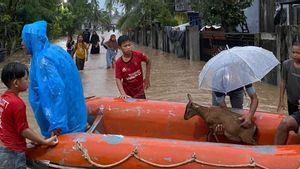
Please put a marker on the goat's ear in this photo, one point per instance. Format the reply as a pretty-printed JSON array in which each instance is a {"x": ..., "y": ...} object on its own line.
[{"x": 189, "y": 97}]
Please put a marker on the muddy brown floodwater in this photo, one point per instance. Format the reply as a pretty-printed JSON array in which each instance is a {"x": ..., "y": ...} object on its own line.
[{"x": 171, "y": 79}]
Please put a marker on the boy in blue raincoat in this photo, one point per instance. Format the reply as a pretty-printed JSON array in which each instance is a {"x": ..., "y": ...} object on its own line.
[{"x": 55, "y": 90}]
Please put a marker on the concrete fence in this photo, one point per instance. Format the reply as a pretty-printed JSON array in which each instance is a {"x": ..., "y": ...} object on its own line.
[{"x": 171, "y": 41}]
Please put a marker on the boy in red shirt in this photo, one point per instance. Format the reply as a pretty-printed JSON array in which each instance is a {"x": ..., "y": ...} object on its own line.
[
  {"x": 14, "y": 128},
  {"x": 129, "y": 72}
]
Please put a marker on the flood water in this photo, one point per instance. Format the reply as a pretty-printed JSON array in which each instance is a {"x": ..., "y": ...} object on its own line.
[{"x": 171, "y": 79}]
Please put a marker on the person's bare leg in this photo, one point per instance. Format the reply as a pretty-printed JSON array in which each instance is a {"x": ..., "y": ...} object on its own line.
[{"x": 286, "y": 125}]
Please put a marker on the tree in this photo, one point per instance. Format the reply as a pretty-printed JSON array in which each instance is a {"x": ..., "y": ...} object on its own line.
[
  {"x": 97, "y": 16},
  {"x": 10, "y": 27},
  {"x": 32, "y": 10},
  {"x": 62, "y": 17},
  {"x": 228, "y": 13},
  {"x": 144, "y": 13}
]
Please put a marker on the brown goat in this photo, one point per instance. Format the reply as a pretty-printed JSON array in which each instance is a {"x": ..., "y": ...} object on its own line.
[{"x": 214, "y": 116}]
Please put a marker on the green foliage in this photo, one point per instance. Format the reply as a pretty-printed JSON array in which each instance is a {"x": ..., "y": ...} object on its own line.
[
  {"x": 67, "y": 20},
  {"x": 33, "y": 10},
  {"x": 228, "y": 13},
  {"x": 62, "y": 17},
  {"x": 9, "y": 27},
  {"x": 143, "y": 14},
  {"x": 6, "y": 19},
  {"x": 98, "y": 16},
  {"x": 128, "y": 4},
  {"x": 165, "y": 18},
  {"x": 130, "y": 20},
  {"x": 55, "y": 29},
  {"x": 181, "y": 18}
]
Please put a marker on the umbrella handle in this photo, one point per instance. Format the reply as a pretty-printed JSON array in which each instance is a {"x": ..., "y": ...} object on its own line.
[{"x": 227, "y": 47}]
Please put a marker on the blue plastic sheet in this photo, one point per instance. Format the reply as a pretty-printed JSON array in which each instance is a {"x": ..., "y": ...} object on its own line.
[{"x": 55, "y": 90}]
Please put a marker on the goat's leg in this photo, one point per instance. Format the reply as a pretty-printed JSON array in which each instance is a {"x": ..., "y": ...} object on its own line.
[
  {"x": 218, "y": 129},
  {"x": 216, "y": 136},
  {"x": 211, "y": 133}
]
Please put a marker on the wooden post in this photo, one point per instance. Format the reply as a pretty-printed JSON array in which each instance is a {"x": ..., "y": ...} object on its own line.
[
  {"x": 160, "y": 39},
  {"x": 154, "y": 37},
  {"x": 267, "y": 10},
  {"x": 194, "y": 44}
]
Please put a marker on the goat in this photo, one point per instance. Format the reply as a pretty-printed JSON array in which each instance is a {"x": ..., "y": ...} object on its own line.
[{"x": 214, "y": 116}]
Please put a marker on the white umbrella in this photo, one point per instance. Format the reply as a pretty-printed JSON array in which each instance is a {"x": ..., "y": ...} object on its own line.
[{"x": 236, "y": 67}]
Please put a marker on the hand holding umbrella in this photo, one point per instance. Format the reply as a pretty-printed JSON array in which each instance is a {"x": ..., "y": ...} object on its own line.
[{"x": 236, "y": 67}]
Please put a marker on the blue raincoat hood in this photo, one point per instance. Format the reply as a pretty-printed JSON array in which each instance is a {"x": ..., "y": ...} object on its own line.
[
  {"x": 55, "y": 89},
  {"x": 34, "y": 36}
]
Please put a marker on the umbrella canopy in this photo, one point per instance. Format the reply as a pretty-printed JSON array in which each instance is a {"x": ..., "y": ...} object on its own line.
[{"x": 236, "y": 67}]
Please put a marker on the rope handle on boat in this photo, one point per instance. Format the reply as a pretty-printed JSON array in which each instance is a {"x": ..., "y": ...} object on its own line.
[
  {"x": 134, "y": 153},
  {"x": 86, "y": 155}
]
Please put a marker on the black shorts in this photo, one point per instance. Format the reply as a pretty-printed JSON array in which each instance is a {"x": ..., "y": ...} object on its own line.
[
  {"x": 296, "y": 116},
  {"x": 292, "y": 108}
]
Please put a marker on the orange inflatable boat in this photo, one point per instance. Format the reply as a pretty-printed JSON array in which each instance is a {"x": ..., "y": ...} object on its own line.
[{"x": 153, "y": 134}]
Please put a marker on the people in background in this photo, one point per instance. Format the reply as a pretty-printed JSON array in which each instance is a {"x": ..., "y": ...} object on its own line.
[
  {"x": 95, "y": 43},
  {"x": 81, "y": 53},
  {"x": 112, "y": 49},
  {"x": 86, "y": 34}
]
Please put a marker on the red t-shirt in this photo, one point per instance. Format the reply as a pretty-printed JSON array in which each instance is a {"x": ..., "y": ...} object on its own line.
[
  {"x": 131, "y": 73},
  {"x": 12, "y": 121}
]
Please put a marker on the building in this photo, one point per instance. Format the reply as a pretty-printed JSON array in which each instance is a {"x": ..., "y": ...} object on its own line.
[
  {"x": 291, "y": 11},
  {"x": 260, "y": 16}
]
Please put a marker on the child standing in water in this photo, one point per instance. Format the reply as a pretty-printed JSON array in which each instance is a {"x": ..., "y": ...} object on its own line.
[
  {"x": 81, "y": 52},
  {"x": 129, "y": 73},
  {"x": 112, "y": 49},
  {"x": 14, "y": 127}
]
